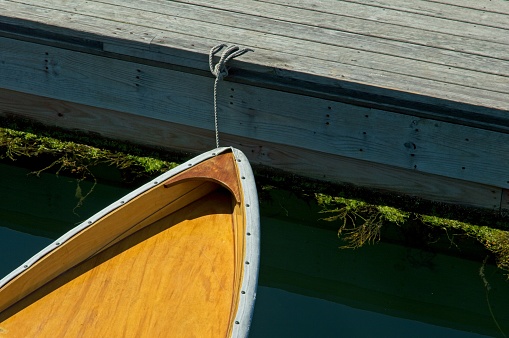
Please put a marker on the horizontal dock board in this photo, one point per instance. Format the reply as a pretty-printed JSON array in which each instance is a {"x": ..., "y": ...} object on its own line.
[
  {"x": 322, "y": 166},
  {"x": 419, "y": 88},
  {"x": 372, "y": 135},
  {"x": 341, "y": 41}
]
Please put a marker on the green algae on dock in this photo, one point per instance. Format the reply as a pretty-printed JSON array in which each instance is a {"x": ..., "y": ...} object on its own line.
[{"x": 358, "y": 219}]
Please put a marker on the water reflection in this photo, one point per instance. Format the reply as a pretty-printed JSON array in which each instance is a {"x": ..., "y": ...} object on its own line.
[
  {"x": 308, "y": 286},
  {"x": 17, "y": 247},
  {"x": 281, "y": 313}
]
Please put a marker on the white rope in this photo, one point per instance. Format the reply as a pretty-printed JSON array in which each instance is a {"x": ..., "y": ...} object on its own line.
[{"x": 220, "y": 72}]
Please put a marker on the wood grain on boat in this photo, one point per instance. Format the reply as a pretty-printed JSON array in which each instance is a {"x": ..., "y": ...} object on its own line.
[{"x": 168, "y": 262}]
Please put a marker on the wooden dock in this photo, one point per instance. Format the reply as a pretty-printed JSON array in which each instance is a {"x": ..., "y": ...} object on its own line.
[{"x": 406, "y": 96}]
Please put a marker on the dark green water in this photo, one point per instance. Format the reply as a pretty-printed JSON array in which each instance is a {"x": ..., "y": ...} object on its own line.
[{"x": 307, "y": 286}]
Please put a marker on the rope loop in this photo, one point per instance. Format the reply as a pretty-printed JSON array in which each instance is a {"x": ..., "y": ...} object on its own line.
[{"x": 220, "y": 71}]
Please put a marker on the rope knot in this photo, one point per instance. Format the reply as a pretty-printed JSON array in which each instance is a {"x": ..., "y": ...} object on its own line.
[{"x": 220, "y": 71}]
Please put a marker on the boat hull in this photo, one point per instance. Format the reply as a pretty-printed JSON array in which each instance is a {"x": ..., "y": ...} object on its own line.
[{"x": 184, "y": 264}]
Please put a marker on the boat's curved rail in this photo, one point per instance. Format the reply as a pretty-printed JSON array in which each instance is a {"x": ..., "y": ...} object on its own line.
[{"x": 252, "y": 253}]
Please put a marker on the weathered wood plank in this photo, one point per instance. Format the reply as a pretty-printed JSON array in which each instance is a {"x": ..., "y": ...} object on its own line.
[
  {"x": 408, "y": 74},
  {"x": 160, "y": 20},
  {"x": 263, "y": 114},
  {"x": 300, "y": 43},
  {"x": 173, "y": 47},
  {"x": 334, "y": 17},
  {"x": 497, "y": 6},
  {"x": 379, "y": 93},
  {"x": 300, "y": 161},
  {"x": 303, "y": 24},
  {"x": 45, "y": 24},
  {"x": 378, "y": 14},
  {"x": 452, "y": 11}
]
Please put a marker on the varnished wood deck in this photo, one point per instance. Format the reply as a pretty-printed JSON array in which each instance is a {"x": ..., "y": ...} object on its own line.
[
  {"x": 407, "y": 96},
  {"x": 149, "y": 285}
]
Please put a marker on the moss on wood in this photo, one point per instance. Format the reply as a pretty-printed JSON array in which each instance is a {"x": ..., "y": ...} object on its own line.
[
  {"x": 361, "y": 223},
  {"x": 360, "y": 214},
  {"x": 66, "y": 153}
]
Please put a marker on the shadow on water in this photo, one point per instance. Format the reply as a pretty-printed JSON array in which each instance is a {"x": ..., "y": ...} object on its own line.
[
  {"x": 36, "y": 210},
  {"x": 308, "y": 287}
]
